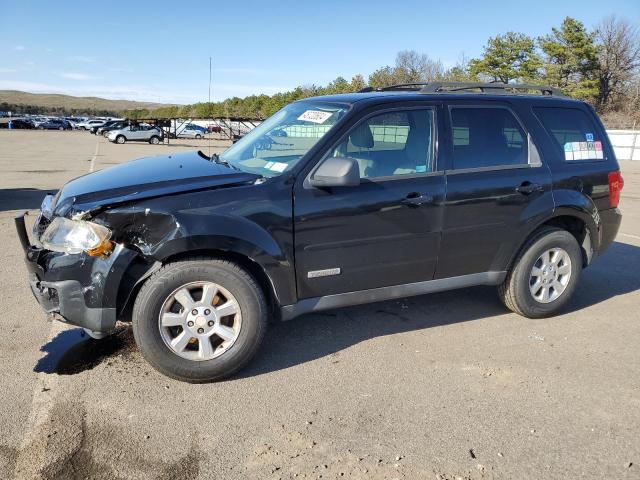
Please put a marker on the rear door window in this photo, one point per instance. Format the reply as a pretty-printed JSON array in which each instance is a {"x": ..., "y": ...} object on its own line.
[
  {"x": 487, "y": 137},
  {"x": 573, "y": 132}
]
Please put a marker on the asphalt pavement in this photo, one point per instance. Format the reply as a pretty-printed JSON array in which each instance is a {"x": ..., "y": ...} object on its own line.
[{"x": 443, "y": 386}]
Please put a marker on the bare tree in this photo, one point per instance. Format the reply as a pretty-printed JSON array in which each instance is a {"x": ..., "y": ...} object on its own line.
[
  {"x": 619, "y": 57},
  {"x": 414, "y": 67}
]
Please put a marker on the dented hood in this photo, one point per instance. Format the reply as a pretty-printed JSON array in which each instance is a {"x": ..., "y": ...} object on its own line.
[{"x": 144, "y": 178}]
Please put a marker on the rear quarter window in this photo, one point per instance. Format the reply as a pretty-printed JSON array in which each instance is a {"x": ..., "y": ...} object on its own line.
[{"x": 573, "y": 132}]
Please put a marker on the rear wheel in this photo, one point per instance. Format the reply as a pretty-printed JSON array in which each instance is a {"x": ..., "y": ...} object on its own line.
[
  {"x": 545, "y": 274},
  {"x": 198, "y": 137},
  {"x": 120, "y": 139},
  {"x": 199, "y": 320}
]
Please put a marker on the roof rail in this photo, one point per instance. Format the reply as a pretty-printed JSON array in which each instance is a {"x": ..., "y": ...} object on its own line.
[{"x": 445, "y": 87}]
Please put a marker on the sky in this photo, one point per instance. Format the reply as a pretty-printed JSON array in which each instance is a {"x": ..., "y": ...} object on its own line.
[{"x": 159, "y": 50}]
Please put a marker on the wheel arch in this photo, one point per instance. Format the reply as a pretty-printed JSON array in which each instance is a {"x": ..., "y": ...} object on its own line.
[
  {"x": 577, "y": 222},
  {"x": 138, "y": 272}
]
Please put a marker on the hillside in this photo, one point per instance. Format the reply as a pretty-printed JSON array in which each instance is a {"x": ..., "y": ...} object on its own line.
[{"x": 68, "y": 102}]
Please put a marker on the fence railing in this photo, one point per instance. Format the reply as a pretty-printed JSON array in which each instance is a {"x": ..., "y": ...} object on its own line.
[{"x": 626, "y": 143}]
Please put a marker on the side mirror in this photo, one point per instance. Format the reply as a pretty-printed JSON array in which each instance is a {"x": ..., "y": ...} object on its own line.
[{"x": 336, "y": 172}]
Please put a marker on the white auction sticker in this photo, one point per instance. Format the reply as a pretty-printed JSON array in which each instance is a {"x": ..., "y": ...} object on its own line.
[
  {"x": 315, "y": 116},
  {"x": 278, "y": 167}
]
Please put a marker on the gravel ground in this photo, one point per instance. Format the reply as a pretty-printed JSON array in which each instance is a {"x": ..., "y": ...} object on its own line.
[{"x": 442, "y": 386}]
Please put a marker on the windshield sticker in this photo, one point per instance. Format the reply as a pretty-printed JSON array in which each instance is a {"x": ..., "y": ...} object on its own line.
[
  {"x": 599, "y": 153},
  {"x": 568, "y": 151},
  {"x": 589, "y": 137},
  {"x": 268, "y": 165},
  {"x": 279, "y": 167},
  {"x": 583, "y": 151},
  {"x": 315, "y": 116}
]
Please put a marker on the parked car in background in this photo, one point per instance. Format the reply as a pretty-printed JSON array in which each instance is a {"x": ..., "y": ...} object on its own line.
[
  {"x": 192, "y": 131},
  {"x": 38, "y": 120},
  {"x": 56, "y": 124},
  {"x": 20, "y": 124},
  {"x": 110, "y": 126},
  {"x": 95, "y": 128},
  {"x": 87, "y": 125},
  {"x": 137, "y": 133}
]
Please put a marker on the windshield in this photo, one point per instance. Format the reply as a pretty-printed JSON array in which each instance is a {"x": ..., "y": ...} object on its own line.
[{"x": 279, "y": 142}]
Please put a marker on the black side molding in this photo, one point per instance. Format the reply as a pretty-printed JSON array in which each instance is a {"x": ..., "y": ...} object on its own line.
[{"x": 360, "y": 297}]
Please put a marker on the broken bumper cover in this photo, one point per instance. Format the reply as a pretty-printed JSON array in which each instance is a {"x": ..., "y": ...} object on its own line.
[{"x": 80, "y": 289}]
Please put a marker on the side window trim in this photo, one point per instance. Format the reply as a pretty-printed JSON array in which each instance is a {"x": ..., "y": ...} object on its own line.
[
  {"x": 434, "y": 143},
  {"x": 533, "y": 153}
]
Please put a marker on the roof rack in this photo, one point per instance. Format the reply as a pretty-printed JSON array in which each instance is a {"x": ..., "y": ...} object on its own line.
[{"x": 447, "y": 87}]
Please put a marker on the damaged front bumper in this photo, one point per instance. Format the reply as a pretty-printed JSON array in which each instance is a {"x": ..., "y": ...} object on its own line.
[{"x": 76, "y": 288}]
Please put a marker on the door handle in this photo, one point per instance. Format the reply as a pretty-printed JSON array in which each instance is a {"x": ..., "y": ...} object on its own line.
[
  {"x": 415, "y": 199},
  {"x": 527, "y": 188}
]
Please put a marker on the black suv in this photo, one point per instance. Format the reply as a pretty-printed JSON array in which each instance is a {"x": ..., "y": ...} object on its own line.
[{"x": 332, "y": 201}]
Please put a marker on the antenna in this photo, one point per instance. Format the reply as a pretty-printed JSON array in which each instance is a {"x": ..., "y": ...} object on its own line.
[{"x": 209, "y": 105}]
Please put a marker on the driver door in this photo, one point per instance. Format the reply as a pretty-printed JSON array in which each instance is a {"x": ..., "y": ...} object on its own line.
[{"x": 386, "y": 230}]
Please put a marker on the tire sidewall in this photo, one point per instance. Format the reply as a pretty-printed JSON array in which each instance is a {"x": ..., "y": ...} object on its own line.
[
  {"x": 553, "y": 239},
  {"x": 147, "y": 331}
]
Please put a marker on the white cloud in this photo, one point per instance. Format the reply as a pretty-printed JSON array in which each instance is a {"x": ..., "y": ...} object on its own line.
[
  {"x": 8, "y": 70},
  {"x": 76, "y": 76},
  {"x": 19, "y": 48},
  {"x": 81, "y": 59}
]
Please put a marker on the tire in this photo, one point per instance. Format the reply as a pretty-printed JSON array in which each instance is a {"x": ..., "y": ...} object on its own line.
[
  {"x": 83, "y": 129},
  {"x": 198, "y": 137},
  {"x": 191, "y": 364},
  {"x": 154, "y": 140},
  {"x": 121, "y": 139},
  {"x": 516, "y": 292},
  {"x": 61, "y": 128}
]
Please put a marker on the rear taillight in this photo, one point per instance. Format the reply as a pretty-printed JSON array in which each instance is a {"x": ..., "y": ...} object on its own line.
[{"x": 615, "y": 187}]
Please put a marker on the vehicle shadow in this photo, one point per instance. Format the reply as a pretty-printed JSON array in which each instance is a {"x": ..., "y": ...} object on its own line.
[
  {"x": 314, "y": 336},
  {"x": 22, "y": 198},
  {"x": 72, "y": 351},
  {"x": 614, "y": 273}
]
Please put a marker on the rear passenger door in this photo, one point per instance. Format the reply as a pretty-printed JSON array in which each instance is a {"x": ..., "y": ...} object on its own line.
[{"x": 497, "y": 185}]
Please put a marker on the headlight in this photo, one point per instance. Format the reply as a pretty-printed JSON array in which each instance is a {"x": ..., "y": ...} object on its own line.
[{"x": 77, "y": 236}]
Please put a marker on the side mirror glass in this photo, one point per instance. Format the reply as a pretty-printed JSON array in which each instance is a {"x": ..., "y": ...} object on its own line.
[{"x": 336, "y": 172}]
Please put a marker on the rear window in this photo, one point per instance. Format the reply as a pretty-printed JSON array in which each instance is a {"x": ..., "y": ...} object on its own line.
[{"x": 573, "y": 131}]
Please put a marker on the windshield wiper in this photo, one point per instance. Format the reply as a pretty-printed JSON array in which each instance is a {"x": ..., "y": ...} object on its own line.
[{"x": 216, "y": 158}]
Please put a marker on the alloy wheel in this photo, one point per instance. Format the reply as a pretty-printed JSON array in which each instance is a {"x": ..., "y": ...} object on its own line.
[
  {"x": 550, "y": 275},
  {"x": 200, "y": 321}
]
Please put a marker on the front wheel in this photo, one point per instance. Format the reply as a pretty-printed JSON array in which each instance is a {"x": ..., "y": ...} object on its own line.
[
  {"x": 120, "y": 139},
  {"x": 545, "y": 274},
  {"x": 199, "y": 320},
  {"x": 154, "y": 140},
  {"x": 198, "y": 137}
]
